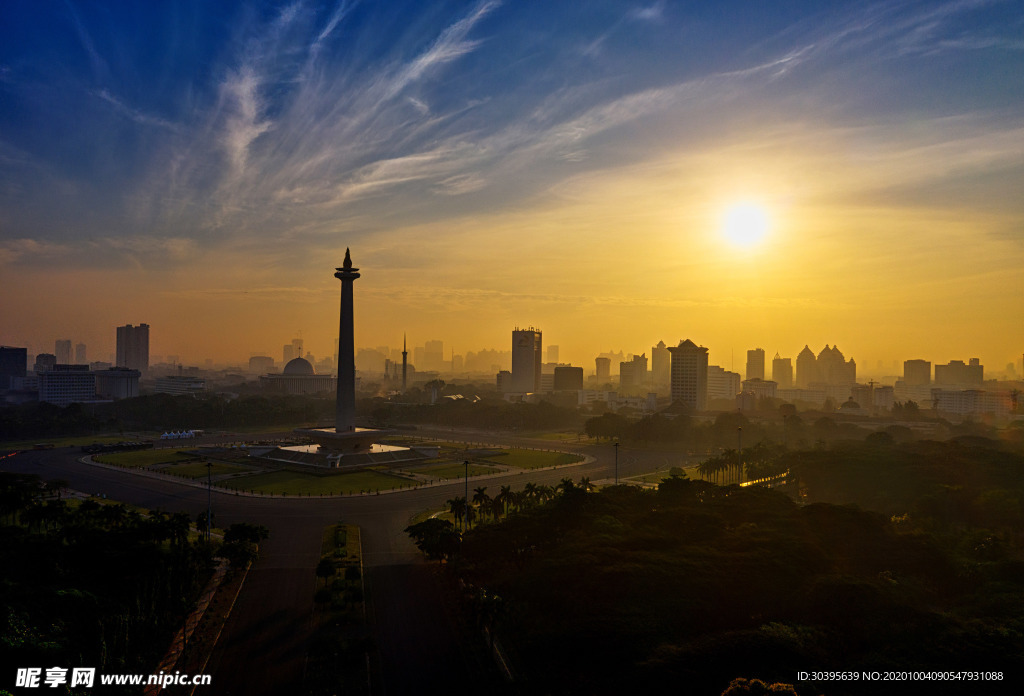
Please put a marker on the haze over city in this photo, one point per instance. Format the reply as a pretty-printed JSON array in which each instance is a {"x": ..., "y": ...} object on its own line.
[{"x": 616, "y": 174}]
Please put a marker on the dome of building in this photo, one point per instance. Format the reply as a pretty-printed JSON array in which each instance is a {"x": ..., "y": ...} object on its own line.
[{"x": 298, "y": 366}]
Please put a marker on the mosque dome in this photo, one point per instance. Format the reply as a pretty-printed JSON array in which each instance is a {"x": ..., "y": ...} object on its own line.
[{"x": 298, "y": 366}]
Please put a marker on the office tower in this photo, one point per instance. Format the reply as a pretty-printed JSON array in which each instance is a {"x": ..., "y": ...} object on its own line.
[
  {"x": 133, "y": 347},
  {"x": 782, "y": 372},
  {"x": 957, "y": 373},
  {"x": 62, "y": 350},
  {"x": 633, "y": 374},
  {"x": 260, "y": 364},
  {"x": 604, "y": 370},
  {"x": 44, "y": 362},
  {"x": 917, "y": 372},
  {"x": 690, "y": 374},
  {"x": 568, "y": 378},
  {"x": 755, "y": 364},
  {"x": 67, "y": 384},
  {"x": 722, "y": 384},
  {"x": 80, "y": 358},
  {"x": 432, "y": 356},
  {"x": 526, "y": 360},
  {"x": 288, "y": 354},
  {"x": 806, "y": 368},
  {"x": 661, "y": 365},
  {"x": 552, "y": 354},
  {"x": 13, "y": 365}
]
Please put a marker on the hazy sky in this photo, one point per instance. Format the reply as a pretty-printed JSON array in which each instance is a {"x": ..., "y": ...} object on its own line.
[{"x": 201, "y": 166}]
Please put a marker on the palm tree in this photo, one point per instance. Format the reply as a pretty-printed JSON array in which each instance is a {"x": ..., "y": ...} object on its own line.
[
  {"x": 504, "y": 498},
  {"x": 480, "y": 497},
  {"x": 585, "y": 484},
  {"x": 531, "y": 492},
  {"x": 457, "y": 506}
]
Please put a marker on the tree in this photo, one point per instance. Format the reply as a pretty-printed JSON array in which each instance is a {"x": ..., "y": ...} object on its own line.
[{"x": 435, "y": 537}]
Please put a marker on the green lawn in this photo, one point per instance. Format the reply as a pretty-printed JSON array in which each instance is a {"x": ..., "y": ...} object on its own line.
[
  {"x": 299, "y": 483},
  {"x": 139, "y": 458},
  {"x": 78, "y": 441},
  {"x": 533, "y": 459},
  {"x": 197, "y": 470},
  {"x": 453, "y": 470}
]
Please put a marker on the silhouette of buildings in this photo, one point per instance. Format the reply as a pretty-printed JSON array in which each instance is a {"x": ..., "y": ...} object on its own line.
[
  {"x": 62, "y": 349},
  {"x": 690, "y": 375},
  {"x": 755, "y": 363},
  {"x": 661, "y": 366},
  {"x": 568, "y": 378},
  {"x": 782, "y": 372},
  {"x": 829, "y": 367},
  {"x": 66, "y": 384},
  {"x": 633, "y": 374},
  {"x": 261, "y": 364},
  {"x": 552, "y": 354},
  {"x": 117, "y": 383},
  {"x": 13, "y": 365},
  {"x": 133, "y": 347},
  {"x": 955, "y": 372},
  {"x": 526, "y": 360},
  {"x": 722, "y": 384},
  {"x": 44, "y": 362},
  {"x": 603, "y": 367},
  {"x": 80, "y": 354}
]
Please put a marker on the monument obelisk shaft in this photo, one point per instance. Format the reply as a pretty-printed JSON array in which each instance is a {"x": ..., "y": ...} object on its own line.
[{"x": 345, "y": 409}]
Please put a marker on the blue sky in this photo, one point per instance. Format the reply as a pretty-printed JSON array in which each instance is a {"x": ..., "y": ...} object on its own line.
[{"x": 211, "y": 153}]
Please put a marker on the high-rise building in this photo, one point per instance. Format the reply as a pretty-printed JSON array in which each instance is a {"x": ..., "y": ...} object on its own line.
[
  {"x": 690, "y": 374},
  {"x": 661, "y": 366},
  {"x": 80, "y": 357},
  {"x": 568, "y": 378},
  {"x": 604, "y": 369},
  {"x": 755, "y": 363},
  {"x": 260, "y": 364},
  {"x": 44, "y": 362},
  {"x": 957, "y": 373},
  {"x": 722, "y": 384},
  {"x": 806, "y": 368},
  {"x": 117, "y": 383},
  {"x": 552, "y": 354},
  {"x": 782, "y": 372},
  {"x": 133, "y": 347},
  {"x": 13, "y": 365},
  {"x": 526, "y": 360},
  {"x": 288, "y": 353},
  {"x": 633, "y": 374},
  {"x": 67, "y": 384},
  {"x": 917, "y": 372},
  {"x": 62, "y": 349}
]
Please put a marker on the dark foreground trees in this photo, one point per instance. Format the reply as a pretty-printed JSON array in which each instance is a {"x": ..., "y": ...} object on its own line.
[
  {"x": 91, "y": 585},
  {"x": 684, "y": 589}
]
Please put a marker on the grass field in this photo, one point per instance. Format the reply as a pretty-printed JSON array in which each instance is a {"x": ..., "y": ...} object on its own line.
[
  {"x": 197, "y": 470},
  {"x": 534, "y": 459},
  {"x": 140, "y": 458},
  {"x": 77, "y": 441},
  {"x": 453, "y": 470},
  {"x": 298, "y": 483}
]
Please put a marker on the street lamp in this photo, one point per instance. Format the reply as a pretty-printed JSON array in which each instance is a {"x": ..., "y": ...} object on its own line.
[
  {"x": 616, "y": 445},
  {"x": 209, "y": 499},
  {"x": 465, "y": 523},
  {"x": 739, "y": 452}
]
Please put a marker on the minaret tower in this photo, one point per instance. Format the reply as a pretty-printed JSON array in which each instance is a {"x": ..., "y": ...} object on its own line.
[
  {"x": 405, "y": 363},
  {"x": 345, "y": 413}
]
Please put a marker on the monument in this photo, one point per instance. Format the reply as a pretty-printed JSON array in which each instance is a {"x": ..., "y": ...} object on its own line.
[{"x": 344, "y": 444}]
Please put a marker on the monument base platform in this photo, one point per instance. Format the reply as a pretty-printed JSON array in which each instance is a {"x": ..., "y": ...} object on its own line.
[{"x": 346, "y": 442}]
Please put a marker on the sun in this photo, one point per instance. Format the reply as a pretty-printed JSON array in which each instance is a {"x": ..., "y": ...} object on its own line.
[{"x": 745, "y": 224}]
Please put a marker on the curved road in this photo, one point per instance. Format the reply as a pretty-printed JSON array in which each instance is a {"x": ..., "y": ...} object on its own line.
[{"x": 263, "y": 647}]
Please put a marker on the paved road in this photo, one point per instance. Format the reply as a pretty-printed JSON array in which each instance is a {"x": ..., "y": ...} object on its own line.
[{"x": 262, "y": 649}]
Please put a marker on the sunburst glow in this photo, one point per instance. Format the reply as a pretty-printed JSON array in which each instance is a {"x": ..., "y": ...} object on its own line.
[{"x": 745, "y": 224}]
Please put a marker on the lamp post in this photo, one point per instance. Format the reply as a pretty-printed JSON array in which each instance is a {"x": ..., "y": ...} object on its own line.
[
  {"x": 739, "y": 453},
  {"x": 465, "y": 524},
  {"x": 616, "y": 445},
  {"x": 209, "y": 499}
]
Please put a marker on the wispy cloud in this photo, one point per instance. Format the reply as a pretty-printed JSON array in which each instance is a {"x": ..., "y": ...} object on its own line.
[{"x": 134, "y": 114}]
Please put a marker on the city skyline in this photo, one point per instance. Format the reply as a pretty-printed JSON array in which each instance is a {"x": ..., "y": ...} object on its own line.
[{"x": 615, "y": 175}]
